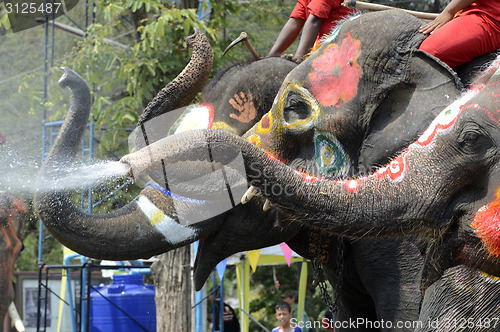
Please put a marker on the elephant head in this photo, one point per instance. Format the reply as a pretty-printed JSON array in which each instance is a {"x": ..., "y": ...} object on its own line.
[
  {"x": 358, "y": 99},
  {"x": 12, "y": 213},
  {"x": 354, "y": 102},
  {"x": 444, "y": 185}
]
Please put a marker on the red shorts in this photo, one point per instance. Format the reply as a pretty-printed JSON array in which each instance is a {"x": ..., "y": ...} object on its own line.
[{"x": 462, "y": 39}]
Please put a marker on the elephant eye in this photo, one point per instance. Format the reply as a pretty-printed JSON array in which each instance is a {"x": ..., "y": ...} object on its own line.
[
  {"x": 471, "y": 137},
  {"x": 296, "y": 108},
  {"x": 473, "y": 140}
]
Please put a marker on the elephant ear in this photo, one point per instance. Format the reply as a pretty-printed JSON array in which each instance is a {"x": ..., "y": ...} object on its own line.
[{"x": 408, "y": 108}]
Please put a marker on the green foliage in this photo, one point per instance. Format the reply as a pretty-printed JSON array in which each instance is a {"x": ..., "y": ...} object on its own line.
[{"x": 124, "y": 79}]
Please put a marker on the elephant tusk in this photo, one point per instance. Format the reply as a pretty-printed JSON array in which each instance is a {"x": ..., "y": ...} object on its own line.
[
  {"x": 14, "y": 316},
  {"x": 251, "y": 192},
  {"x": 267, "y": 205}
]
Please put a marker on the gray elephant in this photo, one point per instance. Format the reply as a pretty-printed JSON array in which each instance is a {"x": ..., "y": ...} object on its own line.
[
  {"x": 444, "y": 185},
  {"x": 279, "y": 136},
  {"x": 394, "y": 90}
]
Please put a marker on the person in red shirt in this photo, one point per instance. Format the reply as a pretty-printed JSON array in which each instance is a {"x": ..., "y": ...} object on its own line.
[
  {"x": 458, "y": 38},
  {"x": 317, "y": 17}
]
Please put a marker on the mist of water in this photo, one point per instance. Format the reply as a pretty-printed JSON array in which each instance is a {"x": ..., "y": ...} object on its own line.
[{"x": 18, "y": 177}]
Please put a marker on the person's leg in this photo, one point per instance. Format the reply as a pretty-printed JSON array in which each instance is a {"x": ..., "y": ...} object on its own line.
[{"x": 461, "y": 40}]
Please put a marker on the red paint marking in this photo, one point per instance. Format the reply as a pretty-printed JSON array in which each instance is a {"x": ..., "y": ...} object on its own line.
[
  {"x": 436, "y": 127},
  {"x": 394, "y": 170},
  {"x": 353, "y": 185},
  {"x": 264, "y": 122},
  {"x": 336, "y": 73},
  {"x": 211, "y": 115},
  {"x": 487, "y": 225},
  {"x": 397, "y": 167},
  {"x": 306, "y": 177}
]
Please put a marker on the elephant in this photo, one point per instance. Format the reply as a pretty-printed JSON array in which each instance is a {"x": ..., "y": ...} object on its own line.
[
  {"x": 12, "y": 214},
  {"x": 388, "y": 95},
  {"x": 49, "y": 202},
  {"x": 394, "y": 103},
  {"x": 372, "y": 150},
  {"x": 445, "y": 185}
]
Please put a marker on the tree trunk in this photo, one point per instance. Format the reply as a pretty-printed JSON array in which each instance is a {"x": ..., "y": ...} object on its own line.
[
  {"x": 172, "y": 278},
  {"x": 172, "y": 275}
]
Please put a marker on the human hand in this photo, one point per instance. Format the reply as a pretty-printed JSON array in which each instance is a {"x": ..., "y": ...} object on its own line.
[
  {"x": 438, "y": 22},
  {"x": 288, "y": 57}
]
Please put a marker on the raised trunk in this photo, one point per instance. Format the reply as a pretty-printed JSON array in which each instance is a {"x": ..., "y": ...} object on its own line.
[
  {"x": 134, "y": 230},
  {"x": 182, "y": 90}
]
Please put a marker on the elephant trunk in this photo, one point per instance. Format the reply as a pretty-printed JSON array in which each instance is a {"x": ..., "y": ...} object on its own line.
[
  {"x": 313, "y": 198},
  {"x": 184, "y": 88},
  {"x": 134, "y": 231},
  {"x": 365, "y": 206}
]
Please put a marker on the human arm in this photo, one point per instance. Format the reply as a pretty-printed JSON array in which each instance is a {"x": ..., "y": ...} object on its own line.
[
  {"x": 309, "y": 35},
  {"x": 287, "y": 36},
  {"x": 446, "y": 15}
]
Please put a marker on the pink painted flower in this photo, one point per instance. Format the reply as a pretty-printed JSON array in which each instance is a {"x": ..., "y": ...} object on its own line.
[{"x": 336, "y": 73}]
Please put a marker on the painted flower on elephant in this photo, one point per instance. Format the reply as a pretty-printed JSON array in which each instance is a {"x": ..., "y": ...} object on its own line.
[
  {"x": 487, "y": 225},
  {"x": 395, "y": 171},
  {"x": 335, "y": 75},
  {"x": 396, "y": 168}
]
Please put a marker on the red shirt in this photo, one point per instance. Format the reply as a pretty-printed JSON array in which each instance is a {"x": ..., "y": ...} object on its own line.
[
  {"x": 329, "y": 10},
  {"x": 488, "y": 9},
  {"x": 472, "y": 33}
]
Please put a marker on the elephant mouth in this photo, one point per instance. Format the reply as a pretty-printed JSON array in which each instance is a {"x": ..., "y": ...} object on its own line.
[{"x": 204, "y": 263}]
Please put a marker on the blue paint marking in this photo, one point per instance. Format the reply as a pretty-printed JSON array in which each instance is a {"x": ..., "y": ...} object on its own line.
[{"x": 174, "y": 196}]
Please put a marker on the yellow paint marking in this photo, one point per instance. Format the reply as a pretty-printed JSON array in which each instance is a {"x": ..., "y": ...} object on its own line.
[{"x": 157, "y": 217}]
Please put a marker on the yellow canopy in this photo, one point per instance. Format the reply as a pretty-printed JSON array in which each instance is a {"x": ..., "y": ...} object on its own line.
[{"x": 266, "y": 256}]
